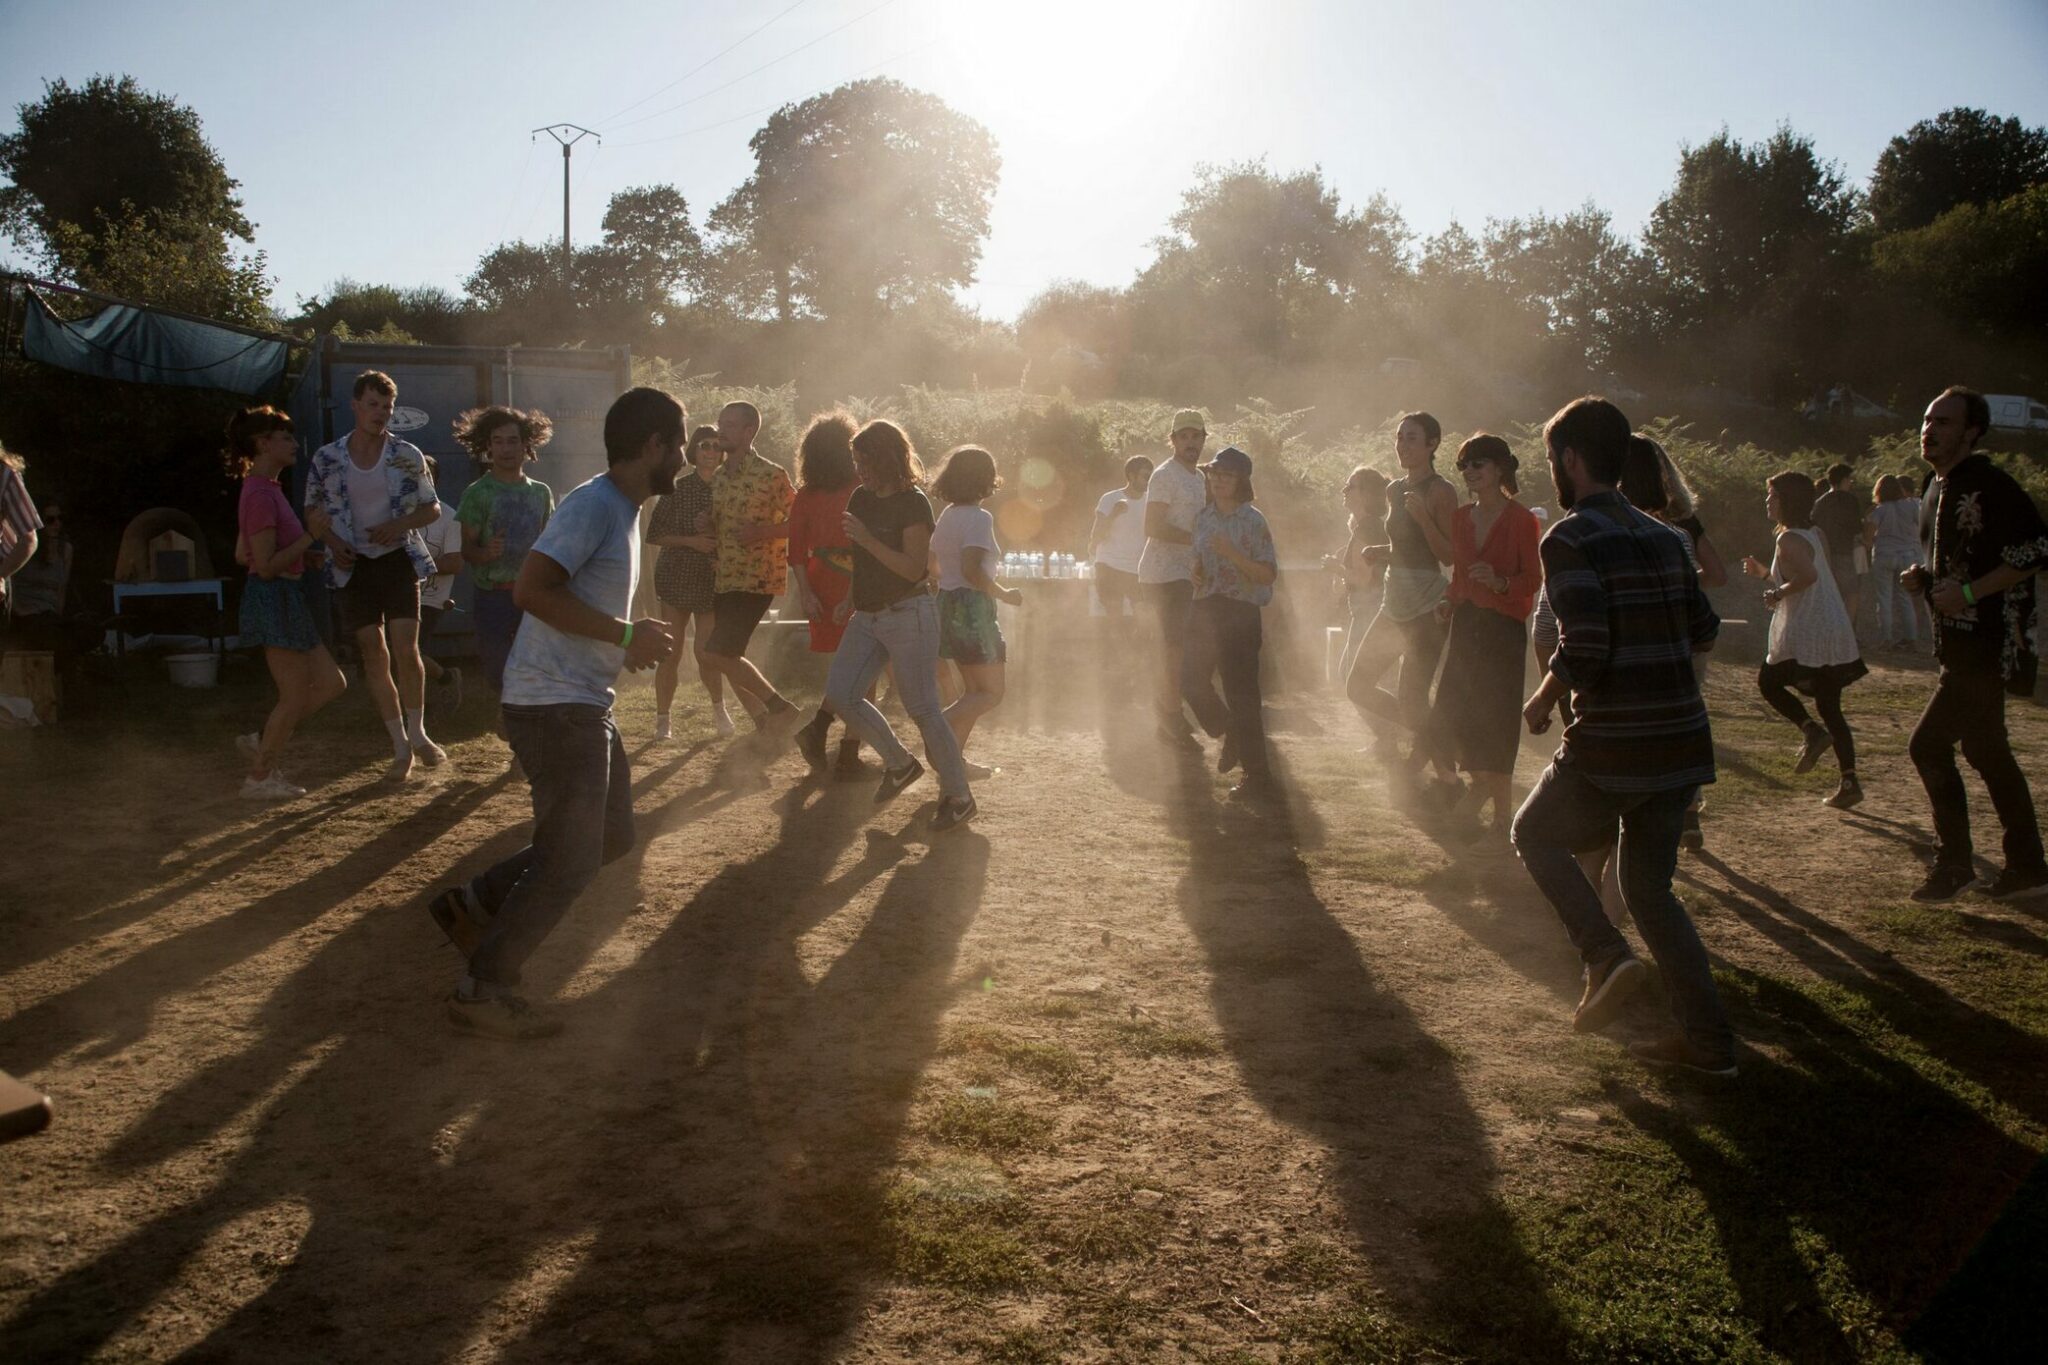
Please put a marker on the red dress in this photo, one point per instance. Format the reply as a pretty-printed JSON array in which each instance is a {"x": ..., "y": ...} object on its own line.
[{"x": 816, "y": 523}]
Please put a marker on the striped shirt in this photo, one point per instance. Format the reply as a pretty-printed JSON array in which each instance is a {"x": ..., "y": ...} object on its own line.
[
  {"x": 1630, "y": 614},
  {"x": 18, "y": 517}
]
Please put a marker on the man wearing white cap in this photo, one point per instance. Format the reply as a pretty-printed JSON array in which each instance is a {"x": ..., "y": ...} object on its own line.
[{"x": 1166, "y": 570}]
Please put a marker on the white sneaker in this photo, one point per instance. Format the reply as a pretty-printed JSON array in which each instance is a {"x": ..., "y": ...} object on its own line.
[
  {"x": 275, "y": 787},
  {"x": 401, "y": 767},
  {"x": 430, "y": 753},
  {"x": 662, "y": 730},
  {"x": 249, "y": 745},
  {"x": 721, "y": 721}
]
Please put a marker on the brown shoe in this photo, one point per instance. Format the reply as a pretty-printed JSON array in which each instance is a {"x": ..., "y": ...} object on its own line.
[
  {"x": 1679, "y": 1053},
  {"x": 1608, "y": 988}
]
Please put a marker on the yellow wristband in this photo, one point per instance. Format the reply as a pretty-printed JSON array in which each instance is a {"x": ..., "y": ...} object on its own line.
[{"x": 627, "y": 643}]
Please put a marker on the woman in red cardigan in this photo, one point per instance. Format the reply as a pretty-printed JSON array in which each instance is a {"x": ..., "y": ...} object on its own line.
[{"x": 1495, "y": 572}]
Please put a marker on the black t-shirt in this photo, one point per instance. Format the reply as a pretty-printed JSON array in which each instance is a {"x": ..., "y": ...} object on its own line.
[
  {"x": 1971, "y": 522},
  {"x": 875, "y": 585},
  {"x": 1840, "y": 518}
]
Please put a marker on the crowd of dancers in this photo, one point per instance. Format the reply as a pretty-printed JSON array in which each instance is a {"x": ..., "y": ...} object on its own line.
[{"x": 1445, "y": 591}]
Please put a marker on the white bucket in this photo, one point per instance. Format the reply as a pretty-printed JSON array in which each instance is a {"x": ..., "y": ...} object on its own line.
[{"x": 194, "y": 670}]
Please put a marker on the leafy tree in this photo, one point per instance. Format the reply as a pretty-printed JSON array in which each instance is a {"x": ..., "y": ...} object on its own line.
[
  {"x": 1982, "y": 266},
  {"x": 624, "y": 285},
  {"x": 117, "y": 189},
  {"x": 425, "y": 313},
  {"x": 1564, "y": 273},
  {"x": 1960, "y": 156},
  {"x": 1073, "y": 314},
  {"x": 862, "y": 199}
]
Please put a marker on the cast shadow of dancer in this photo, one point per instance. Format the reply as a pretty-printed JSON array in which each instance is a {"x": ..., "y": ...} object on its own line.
[{"x": 1325, "y": 1049}]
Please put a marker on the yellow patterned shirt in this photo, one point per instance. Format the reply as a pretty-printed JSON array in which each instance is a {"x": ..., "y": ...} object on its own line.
[{"x": 751, "y": 491}]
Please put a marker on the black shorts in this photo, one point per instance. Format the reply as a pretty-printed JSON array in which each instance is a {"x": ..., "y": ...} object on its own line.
[
  {"x": 1114, "y": 588},
  {"x": 734, "y": 616},
  {"x": 386, "y": 588},
  {"x": 1173, "y": 601}
]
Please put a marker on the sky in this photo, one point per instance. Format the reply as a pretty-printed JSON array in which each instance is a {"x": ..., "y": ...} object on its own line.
[{"x": 389, "y": 142}]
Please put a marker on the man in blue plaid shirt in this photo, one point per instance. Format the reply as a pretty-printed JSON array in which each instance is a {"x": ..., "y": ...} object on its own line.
[{"x": 1631, "y": 615}]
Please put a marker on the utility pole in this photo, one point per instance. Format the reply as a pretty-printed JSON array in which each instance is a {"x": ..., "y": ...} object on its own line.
[{"x": 560, "y": 132}]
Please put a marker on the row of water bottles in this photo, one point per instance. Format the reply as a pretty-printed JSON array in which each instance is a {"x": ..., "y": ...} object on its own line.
[{"x": 1038, "y": 564}]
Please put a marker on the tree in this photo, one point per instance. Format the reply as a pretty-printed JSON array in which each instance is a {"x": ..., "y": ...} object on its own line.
[
  {"x": 1985, "y": 267},
  {"x": 1960, "y": 156},
  {"x": 623, "y": 286},
  {"x": 113, "y": 187},
  {"x": 1564, "y": 273},
  {"x": 424, "y": 312},
  {"x": 862, "y": 199},
  {"x": 1749, "y": 249}
]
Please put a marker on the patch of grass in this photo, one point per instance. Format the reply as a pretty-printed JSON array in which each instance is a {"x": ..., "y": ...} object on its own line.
[
  {"x": 1315, "y": 1262},
  {"x": 1025, "y": 1346},
  {"x": 966, "y": 1244},
  {"x": 1406, "y": 868},
  {"x": 1054, "y": 1065},
  {"x": 1359, "y": 1333},
  {"x": 1916, "y": 923},
  {"x": 978, "y": 1125},
  {"x": 1150, "y": 1038},
  {"x": 1110, "y": 1229},
  {"x": 1059, "y": 1007}
]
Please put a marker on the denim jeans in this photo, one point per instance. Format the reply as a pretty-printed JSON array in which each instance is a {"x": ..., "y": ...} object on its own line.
[
  {"x": 497, "y": 623},
  {"x": 1968, "y": 709},
  {"x": 582, "y": 819},
  {"x": 1223, "y": 637},
  {"x": 906, "y": 635},
  {"x": 1896, "y": 617},
  {"x": 1566, "y": 814}
]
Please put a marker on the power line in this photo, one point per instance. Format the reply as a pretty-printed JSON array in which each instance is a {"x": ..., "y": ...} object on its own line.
[
  {"x": 707, "y": 61},
  {"x": 769, "y": 108},
  {"x": 694, "y": 99}
]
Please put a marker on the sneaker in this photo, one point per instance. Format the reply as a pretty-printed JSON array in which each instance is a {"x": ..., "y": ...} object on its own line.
[
  {"x": 953, "y": 812},
  {"x": 275, "y": 787},
  {"x": 2019, "y": 883},
  {"x": 979, "y": 772},
  {"x": 1809, "y": 753},
  {"x": 249, "y": 746},
  {"x": 430, "y": 753},
  {"x": 451, "y": 678},
  {"x": 894, "y": 780},
  {"x": 502, "y": 1016},
  {"x": 663, "y": 731},
  {"x": 1678, "y": 1053},
  {"x": 810, "y": 742},
  {"x": 1944, "y": 884},
  {"x": 721, "y": 722},
  {"x": 1689, "y": 833},
  {"x": 1850, "y": 793},
  {"x": 401, "y": 767},
  {"x": 1227, "y": 759},
  {"x": 1608, "y": 987},
  {"x": 450, "y": 910}
]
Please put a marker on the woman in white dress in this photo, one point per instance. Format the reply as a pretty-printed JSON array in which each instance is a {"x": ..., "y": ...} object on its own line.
[{"x": 1812, "y": 644}]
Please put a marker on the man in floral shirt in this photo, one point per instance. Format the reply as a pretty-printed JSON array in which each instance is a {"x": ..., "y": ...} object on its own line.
[
  {"x": 750, "y": 501},
  {"x": 1984, "y": 542},
  {"x": 377, "y": 495}
]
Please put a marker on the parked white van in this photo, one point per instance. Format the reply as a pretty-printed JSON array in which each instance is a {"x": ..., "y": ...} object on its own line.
[{"x": 2012, "y": 412}]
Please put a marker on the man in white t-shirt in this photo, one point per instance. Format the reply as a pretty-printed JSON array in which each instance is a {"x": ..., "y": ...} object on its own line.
[
  {"x": 1116, "y": 542},
  {"x": 1173, "y": 498}
]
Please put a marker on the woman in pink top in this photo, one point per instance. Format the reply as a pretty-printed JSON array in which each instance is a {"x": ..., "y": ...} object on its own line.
[
  {"x": 261, "y": 446},
  {"x": 1495, "y": 572}
]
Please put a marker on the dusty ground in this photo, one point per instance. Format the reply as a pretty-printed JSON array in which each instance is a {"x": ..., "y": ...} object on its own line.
[{"x": 1116, "y": 1073}]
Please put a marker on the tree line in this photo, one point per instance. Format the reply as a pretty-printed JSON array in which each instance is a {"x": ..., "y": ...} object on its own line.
[{"x": 1764, "y": 277}]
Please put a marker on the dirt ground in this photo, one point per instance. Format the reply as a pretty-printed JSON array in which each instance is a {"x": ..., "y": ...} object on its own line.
[{"x": 1116, "y": 1073}]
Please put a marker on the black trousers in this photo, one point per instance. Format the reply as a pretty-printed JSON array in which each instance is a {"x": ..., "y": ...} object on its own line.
[
  {"x": 1827, "y": 699},
  {"x": 1968, "y": 709},
  {"x": 1223, "y": 638}
]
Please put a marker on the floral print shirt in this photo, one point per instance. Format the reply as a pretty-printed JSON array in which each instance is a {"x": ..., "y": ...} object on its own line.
[
  {"x": 1215, "y": 574},
  {"x": 751, "y": 491},
  {"x": 406, "y": 479},
  {"x": 1974, "y": 519}
]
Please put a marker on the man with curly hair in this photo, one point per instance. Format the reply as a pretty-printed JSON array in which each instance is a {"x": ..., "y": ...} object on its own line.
[{"x": 502, "y": 514}]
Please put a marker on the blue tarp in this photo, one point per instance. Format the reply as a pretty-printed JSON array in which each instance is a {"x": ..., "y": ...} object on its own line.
[{"x": 146, "y": 347}]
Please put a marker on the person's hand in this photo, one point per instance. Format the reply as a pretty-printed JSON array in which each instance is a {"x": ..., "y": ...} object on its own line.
[
  {"x": 1913, "y": 578},
  {"x": 344, "y": 556},
  {"x": 1415, "y": 505},
  {"x": 703, "y": 545},
  {"x": 1773, "y": 596},
  {"x": 1485, "y": 577},
  {"x": 318, "y": 523},
  {"x": 842, "y": 611},
  {"x": 1755, "y": 567},
  {"x": 1536, "y": 713},
  {"x": 1948, "y": 598},
  {"x": 242, "y": 550},
  {"x": 387, "y": 533},
  {"x": 651, "y": 644},
  {"x": 1442, "y": 611},
  {"x": 855, "y": 530},
  {"x": 703, "y": 524},
  {"x": 813, "y": 607},
  {"x": 1011, "y": 595}
]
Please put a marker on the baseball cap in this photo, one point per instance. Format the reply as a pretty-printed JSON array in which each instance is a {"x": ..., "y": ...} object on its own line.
[
  {"x": 1231, "y": 460},
  {"x": 1191, "y": 417}
]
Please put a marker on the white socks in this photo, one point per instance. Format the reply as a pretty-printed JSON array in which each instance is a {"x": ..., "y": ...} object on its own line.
[
  {"x": 396, "y": 729},
  {"x": 416, "y": 726}
]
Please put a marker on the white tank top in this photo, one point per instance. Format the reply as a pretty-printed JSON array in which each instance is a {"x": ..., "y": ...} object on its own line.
[
  {"x": 369, "y": 500},
  {"x": 1811, "y": 626}
]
